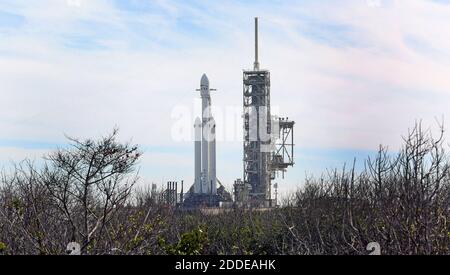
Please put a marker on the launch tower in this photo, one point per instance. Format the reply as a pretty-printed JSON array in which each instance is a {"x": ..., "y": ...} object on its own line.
[{"x": 268, "y": 140}]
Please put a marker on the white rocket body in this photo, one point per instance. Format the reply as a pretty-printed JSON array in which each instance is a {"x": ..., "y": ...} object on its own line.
[
  {"x": 198, "y": 152},
  {"x": 212, "y": 156},
  {"x": 205, "y": 147}
]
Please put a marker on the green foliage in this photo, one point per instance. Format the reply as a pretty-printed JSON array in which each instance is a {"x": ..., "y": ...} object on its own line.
[
  {"x": 3, "y": 247},
  {"x": 17, "y": 205},
  {"x": 191, "y": 243}
]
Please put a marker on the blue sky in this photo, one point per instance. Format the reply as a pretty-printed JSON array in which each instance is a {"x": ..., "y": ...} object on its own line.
[{"x": 352, "y": 75}]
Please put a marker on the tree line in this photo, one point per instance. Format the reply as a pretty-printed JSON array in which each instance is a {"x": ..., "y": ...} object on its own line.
[{"x": 86, "y": 193}]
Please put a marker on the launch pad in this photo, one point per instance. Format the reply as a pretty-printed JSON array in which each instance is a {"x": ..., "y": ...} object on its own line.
[{"x": 268, "y": 148}]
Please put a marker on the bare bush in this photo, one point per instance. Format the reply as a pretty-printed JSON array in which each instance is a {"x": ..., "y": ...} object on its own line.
[
  {"x": 400, "y": 200},
  {"x": 85, "y": 193}
]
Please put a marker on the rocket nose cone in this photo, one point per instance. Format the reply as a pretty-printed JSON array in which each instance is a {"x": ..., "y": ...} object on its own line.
[
  {"x": 204, "y": 81},
  {"x": 198, "y": 122}
]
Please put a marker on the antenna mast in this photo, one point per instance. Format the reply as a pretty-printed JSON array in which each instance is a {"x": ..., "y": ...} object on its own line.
[{"x": 256, "y": 64}]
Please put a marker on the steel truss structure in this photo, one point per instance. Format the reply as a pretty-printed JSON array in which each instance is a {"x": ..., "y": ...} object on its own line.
[{"x": 268, "y": 143}]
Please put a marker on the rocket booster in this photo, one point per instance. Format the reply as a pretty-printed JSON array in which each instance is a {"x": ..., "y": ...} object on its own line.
[{"x": 205, "y": 147}]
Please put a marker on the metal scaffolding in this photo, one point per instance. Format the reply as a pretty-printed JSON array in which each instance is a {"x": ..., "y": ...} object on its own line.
[
  {"x": 267, "y": 149},
  {"x": 257, "y": 131}
]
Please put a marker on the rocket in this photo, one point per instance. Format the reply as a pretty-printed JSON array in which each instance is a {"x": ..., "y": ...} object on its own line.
[{"x": 205, "y": 144}]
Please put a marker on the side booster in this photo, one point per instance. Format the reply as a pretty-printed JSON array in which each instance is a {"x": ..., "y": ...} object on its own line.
[{"x": 205, "y": 144}]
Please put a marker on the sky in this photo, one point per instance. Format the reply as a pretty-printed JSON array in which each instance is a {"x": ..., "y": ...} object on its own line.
[{"x": 352, "y": 74}]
